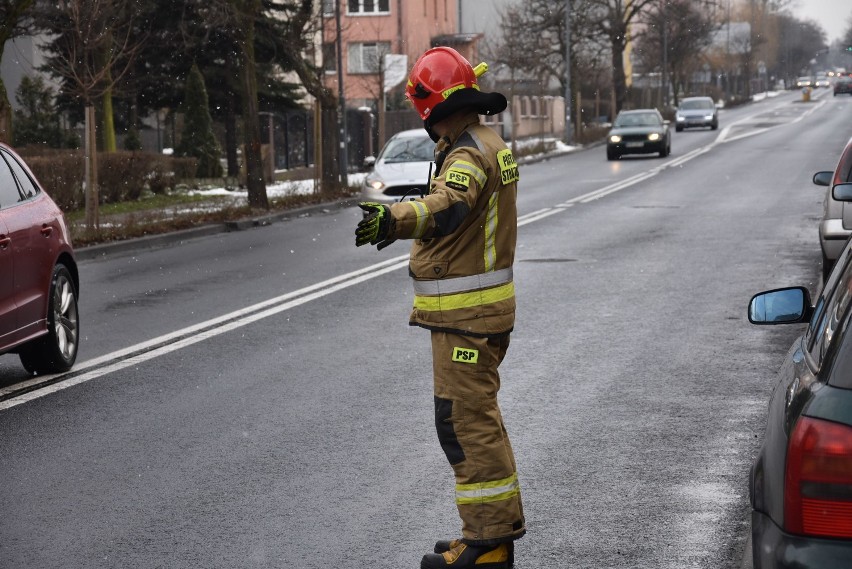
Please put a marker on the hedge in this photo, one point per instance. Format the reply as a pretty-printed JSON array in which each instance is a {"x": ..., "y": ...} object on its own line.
[{"x": 122, "y": 176}]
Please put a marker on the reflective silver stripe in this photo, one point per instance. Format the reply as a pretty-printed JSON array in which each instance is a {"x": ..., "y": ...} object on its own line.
[
  {"x": 422, "y": 213},
  {"x": 490, "y": 231},
  {"x": 462, "y": 284},
  {"x": 472, "y": 169}
]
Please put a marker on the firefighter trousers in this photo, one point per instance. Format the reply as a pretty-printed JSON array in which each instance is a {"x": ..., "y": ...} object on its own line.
[{"x": 473, "y": 437}]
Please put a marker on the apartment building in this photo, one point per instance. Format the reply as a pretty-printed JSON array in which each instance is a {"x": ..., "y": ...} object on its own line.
[{"x": 373, "y": 29}]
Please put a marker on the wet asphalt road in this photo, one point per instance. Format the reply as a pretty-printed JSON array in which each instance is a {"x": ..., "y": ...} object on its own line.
[{"x": 634, "y": 389}]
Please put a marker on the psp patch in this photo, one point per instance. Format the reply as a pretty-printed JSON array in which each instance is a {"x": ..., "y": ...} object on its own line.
[
  {"x": 508, "y": 167},
  {"x": 465, "y": 355},
  {"x": 458, "y": 180}
]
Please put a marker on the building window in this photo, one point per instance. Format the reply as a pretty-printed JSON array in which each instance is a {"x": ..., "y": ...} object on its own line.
[
  {"x": 368, "y": 7},
  {"x": 329, "y": 57},
  {"x": 328, "y": 7},
  {"x": 366, "y": 57}
]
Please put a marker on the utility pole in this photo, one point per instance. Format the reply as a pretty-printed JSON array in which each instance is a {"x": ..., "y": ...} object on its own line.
[
  {"x": 569, "y": 131},
  {"x": 665, "y": 57},
  {"x": 341, "y": 120}
]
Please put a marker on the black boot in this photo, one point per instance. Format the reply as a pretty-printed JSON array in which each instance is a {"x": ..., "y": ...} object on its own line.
[
  {"x": 463, "y": 556},
  {"x": 446, "y": 545}
]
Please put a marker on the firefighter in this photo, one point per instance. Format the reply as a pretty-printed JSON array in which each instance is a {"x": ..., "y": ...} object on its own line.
[{"x": 464, "y": 233}]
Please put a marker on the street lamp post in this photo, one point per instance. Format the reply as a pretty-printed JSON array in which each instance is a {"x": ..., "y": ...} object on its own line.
[
  {"x": 569, "y": 132},
  {"x": 344, "y": 158}
]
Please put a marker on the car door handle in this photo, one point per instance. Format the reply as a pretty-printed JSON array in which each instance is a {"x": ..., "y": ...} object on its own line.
[
  {"x": 46, "y": 230},
  {"x": 4, "y": 241}
]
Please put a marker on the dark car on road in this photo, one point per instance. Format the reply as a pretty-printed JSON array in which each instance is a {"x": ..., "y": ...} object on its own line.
[
  {"x": 696, "y": 112},
  {"x": 843, "y": 86},
  {"x": 836, "y": 224},
  {"x": 642, "y": 131},
  {"x": 801, "y": 482},
  {"x": 39, "y": 282}
]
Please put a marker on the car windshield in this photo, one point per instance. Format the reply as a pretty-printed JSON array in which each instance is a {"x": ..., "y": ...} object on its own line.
[
  {"x": 409, "y": 149},
  {"x": 693, "y": 105},
  {"x": 638, "y": 119}
]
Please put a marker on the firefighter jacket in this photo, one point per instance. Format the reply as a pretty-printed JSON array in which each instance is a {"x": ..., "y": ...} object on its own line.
[{"x": 465, "y": 231}]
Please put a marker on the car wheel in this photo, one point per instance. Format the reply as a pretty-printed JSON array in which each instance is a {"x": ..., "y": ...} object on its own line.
[
  {"x": 714, "y": 126},
  {"x": 679, "y": 128},
  {"x": 665, "y": 151},
  {"x": 611, "y": 154},
  {"x": 56, "y": 351}
]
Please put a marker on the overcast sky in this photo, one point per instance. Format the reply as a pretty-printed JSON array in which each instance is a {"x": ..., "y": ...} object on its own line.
[{"x": 832, "y": 15}]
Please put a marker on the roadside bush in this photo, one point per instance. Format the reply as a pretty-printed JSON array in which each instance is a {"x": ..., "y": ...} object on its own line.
[
  {"x": 61, "y": 174},
  {"x": 166, "y": 171},
  {"x": 122, "y": 176}
]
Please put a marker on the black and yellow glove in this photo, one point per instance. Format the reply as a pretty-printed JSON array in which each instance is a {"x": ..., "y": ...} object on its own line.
[{"x": 376, "y": 225}]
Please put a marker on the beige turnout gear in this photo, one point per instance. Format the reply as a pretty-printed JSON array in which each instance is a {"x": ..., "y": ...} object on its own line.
[{"x": 461, "y": 264}]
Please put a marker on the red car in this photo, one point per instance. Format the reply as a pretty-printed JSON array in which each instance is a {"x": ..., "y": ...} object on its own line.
[{"x": 39, "y": 282}]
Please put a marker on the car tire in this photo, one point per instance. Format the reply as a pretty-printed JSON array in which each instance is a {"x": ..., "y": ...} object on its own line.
[
  {"x": 665, "y": 151},
  {"x": 56, "y": 351},
  {"x": 611, "y": 154},
  {"x": 679, "y": 129},
  {"x": 714, "y": 126}
]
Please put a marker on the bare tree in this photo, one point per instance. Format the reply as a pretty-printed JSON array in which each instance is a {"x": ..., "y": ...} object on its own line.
[
  {"x": 238, "y": 18},
  {"x": 91, "y": 53},
  {"x": 14, "y": 21},
  {"x": 684, "y": 29},
  {"x": 299, "y": 26},
  {"x": 614, "y": 19},
  {"x": 533, "y": 44}
]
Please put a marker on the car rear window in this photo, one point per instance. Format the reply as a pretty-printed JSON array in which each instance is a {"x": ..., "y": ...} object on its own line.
[
  {"x": 841, "y": 364},
  {"x": 25, "y": 184},
  {"x": 832, "y": 310}
]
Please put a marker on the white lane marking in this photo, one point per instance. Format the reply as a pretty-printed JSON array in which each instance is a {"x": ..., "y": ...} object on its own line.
[{"x": 209, "y": 329}]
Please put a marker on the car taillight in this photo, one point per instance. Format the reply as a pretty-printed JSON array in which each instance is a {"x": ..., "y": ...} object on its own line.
[{"x": 818, "y": 479}]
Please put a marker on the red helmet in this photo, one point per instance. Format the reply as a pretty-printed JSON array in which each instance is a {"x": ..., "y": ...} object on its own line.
[{"x": 436, "y": 75}]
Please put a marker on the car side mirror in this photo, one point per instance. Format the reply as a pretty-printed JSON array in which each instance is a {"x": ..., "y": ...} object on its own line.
[
  {"x": 842, "y": 192},
  {"x": 823, "y": 178},
  {"x": 780, "y": 306},
  {"x": 667, "y": 123},
  {"x": 369, "y": 162}
]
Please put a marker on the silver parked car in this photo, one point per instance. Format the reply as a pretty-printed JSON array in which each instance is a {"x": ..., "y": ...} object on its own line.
[
  {"x": 696, "y": 111},
  {"x": 836, "y": 224},
  {"x": 401, "y": 169}
]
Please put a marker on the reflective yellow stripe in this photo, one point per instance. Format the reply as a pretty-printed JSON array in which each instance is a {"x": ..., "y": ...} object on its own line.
[
  {"x": 484, "y": 492},
  {"x": 490, "y": 231},
  {"x": 422, "y": 213},
  {"x": 465, "y": 299},
  {"x": 472, "y": 169}
]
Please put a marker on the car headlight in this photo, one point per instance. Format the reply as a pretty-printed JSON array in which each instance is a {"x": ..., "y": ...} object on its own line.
[
  {"x": 374, "y": 182},
  {"x": 615, "y": 139},
  {"x": 679, "y": 118},
  {"x": 708, "y": 117},
  {"x": 654, "y": 136}
]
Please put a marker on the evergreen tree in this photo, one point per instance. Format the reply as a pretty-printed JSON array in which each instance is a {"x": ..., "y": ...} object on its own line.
[
  {"x": 37, "y": 121},
  {"x": 198, "y": 139}
]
